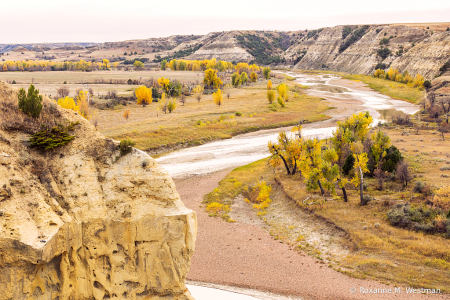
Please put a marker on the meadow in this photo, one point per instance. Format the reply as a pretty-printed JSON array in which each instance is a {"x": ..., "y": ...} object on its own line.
[
  {"x": 392, "y": 89},
  {"x": 197, "y": 122},
  {"x": 191, "y": 123}
]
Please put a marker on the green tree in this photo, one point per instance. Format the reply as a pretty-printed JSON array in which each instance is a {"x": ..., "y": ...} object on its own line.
[
  {"x": 244, "y": 78},
  {"x": 266, "y": 73},
  {"x": 235, "y": 80},
  {"x": 31, "y": 102},
  {"x": 182, "y": 66},
  {"x": 171, "y": 105},
  {"x": 270, "y": 96},
  {"x": 280, "y": 101},
  {"x": 163, "y": 65},
  {"x": 139, "y": 65}
]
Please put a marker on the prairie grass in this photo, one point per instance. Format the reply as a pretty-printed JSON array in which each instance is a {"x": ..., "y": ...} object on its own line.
[
  {"x": 392, "y": 89},
  {"x": 196, "y": 123},
  {"x": 191, "y": 124}
]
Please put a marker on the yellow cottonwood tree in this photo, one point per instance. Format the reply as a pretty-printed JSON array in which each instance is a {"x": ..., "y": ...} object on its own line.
[
  {"x": 378, "y": 73},
  {"x": 218, "y": 97},
  {"x": 211, "y": 78},
  {"x": 82, "y": 101},
  {"x": 355, "y": 131},
  {"x": 283, "y": 90},
  {"x": 381, "y": 141},
  {"x": 105, "y": 64},
  {"x": 164, "y": 83},
  {"x": 143, "y": 95},
  {"x": 68, "y": 103},
  {"x": 418, "y": 81},
  {"x": 139, "y": 65},
  {"x": 269, "y": 84}
]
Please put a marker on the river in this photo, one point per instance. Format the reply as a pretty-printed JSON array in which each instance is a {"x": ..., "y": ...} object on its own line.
[{"x": 246, "y": 148}]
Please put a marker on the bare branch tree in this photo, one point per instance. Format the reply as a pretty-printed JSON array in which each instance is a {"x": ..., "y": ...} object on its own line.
[
  {"x": 62, "y": 92},
  {"x": 403, "y": 173}
]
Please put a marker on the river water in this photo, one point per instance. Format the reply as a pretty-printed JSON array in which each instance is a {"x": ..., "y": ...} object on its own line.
[{"x": 246, "y": 148}]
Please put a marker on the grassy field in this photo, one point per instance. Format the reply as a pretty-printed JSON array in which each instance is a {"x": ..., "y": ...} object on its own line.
[
  {"x": 392, "y": 89},
  {"x": 377, "y": 249},
  {"x": 49, "y": 82},
  {"x": 195, "y": 123},
  {"x": 247, "y": 108}
]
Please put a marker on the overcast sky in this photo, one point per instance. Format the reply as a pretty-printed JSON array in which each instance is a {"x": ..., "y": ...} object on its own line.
[{"x": 26, "y": 21}]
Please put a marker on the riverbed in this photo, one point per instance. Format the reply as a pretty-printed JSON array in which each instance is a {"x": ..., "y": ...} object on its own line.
[
  {"x": 197, "y": 170},
  {"x": 246, "y": 148}
]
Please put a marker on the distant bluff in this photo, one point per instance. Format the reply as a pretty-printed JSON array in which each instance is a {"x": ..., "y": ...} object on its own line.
[
  {"x": 418, "y": 48},
  {"x": 352, "y": 49},
  {"x": 82, "y": 221}
]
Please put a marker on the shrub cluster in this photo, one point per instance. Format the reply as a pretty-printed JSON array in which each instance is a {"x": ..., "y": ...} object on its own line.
[
  {"x": 357, "y": 34},
  {"x": 384, "y": 52},
  {"x": 258, "y": 47},
  {"x": 420, "y": 218},
  {"x": 48, "y": 139},
  {"x": 444, "y": 68},
  {"x": 132, "y": 61},
  {"x": 346, "y": 31},
  {"x": 126, "y": 146},
  {"x": 177, "y": 54},
  {"x": 388, "y": 163}
]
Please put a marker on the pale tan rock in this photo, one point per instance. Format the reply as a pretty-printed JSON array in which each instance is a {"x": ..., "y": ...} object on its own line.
[
  {"x": 78, "y": 224},
  {"x": 5, "y": 159}
]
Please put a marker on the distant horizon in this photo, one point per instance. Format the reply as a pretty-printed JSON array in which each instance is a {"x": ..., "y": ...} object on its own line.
[
  {"x": 53, "y": 21},
  {"x": 166, "y": 36}
]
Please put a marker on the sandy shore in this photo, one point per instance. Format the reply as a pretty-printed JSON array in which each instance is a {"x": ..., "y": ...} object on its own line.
[{"x": 245, "y": 255}]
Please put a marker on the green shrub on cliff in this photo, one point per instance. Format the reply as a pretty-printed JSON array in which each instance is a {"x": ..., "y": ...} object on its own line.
[
  {"x": 126, "y": 146},
  {"x": 48, "y": 139},
  {"x": 31, "y": 102}
]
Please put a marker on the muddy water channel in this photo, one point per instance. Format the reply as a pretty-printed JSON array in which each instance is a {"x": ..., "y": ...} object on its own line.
[{"x": 250, "y": 147}]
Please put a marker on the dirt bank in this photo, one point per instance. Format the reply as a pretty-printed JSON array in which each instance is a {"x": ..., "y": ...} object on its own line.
[{"x": 245, "y": 255}]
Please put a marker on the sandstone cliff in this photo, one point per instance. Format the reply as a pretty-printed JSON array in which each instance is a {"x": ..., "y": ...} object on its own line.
[
  {"x": 223, "y": 46},
  {"x": 83, "y": 222},
  {"x": 415, "y": 48}
]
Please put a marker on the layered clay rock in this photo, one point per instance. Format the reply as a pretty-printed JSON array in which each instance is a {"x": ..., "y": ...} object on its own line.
[
  {"x": 83, "y": 222},
  {"x": 413, "y": 48},
  {"x": 440, "y": 90},
  {"x": 223, "y": 46}
]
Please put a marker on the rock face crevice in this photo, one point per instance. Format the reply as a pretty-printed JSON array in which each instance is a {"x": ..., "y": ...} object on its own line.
[{"x": 83, "y": 222}]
